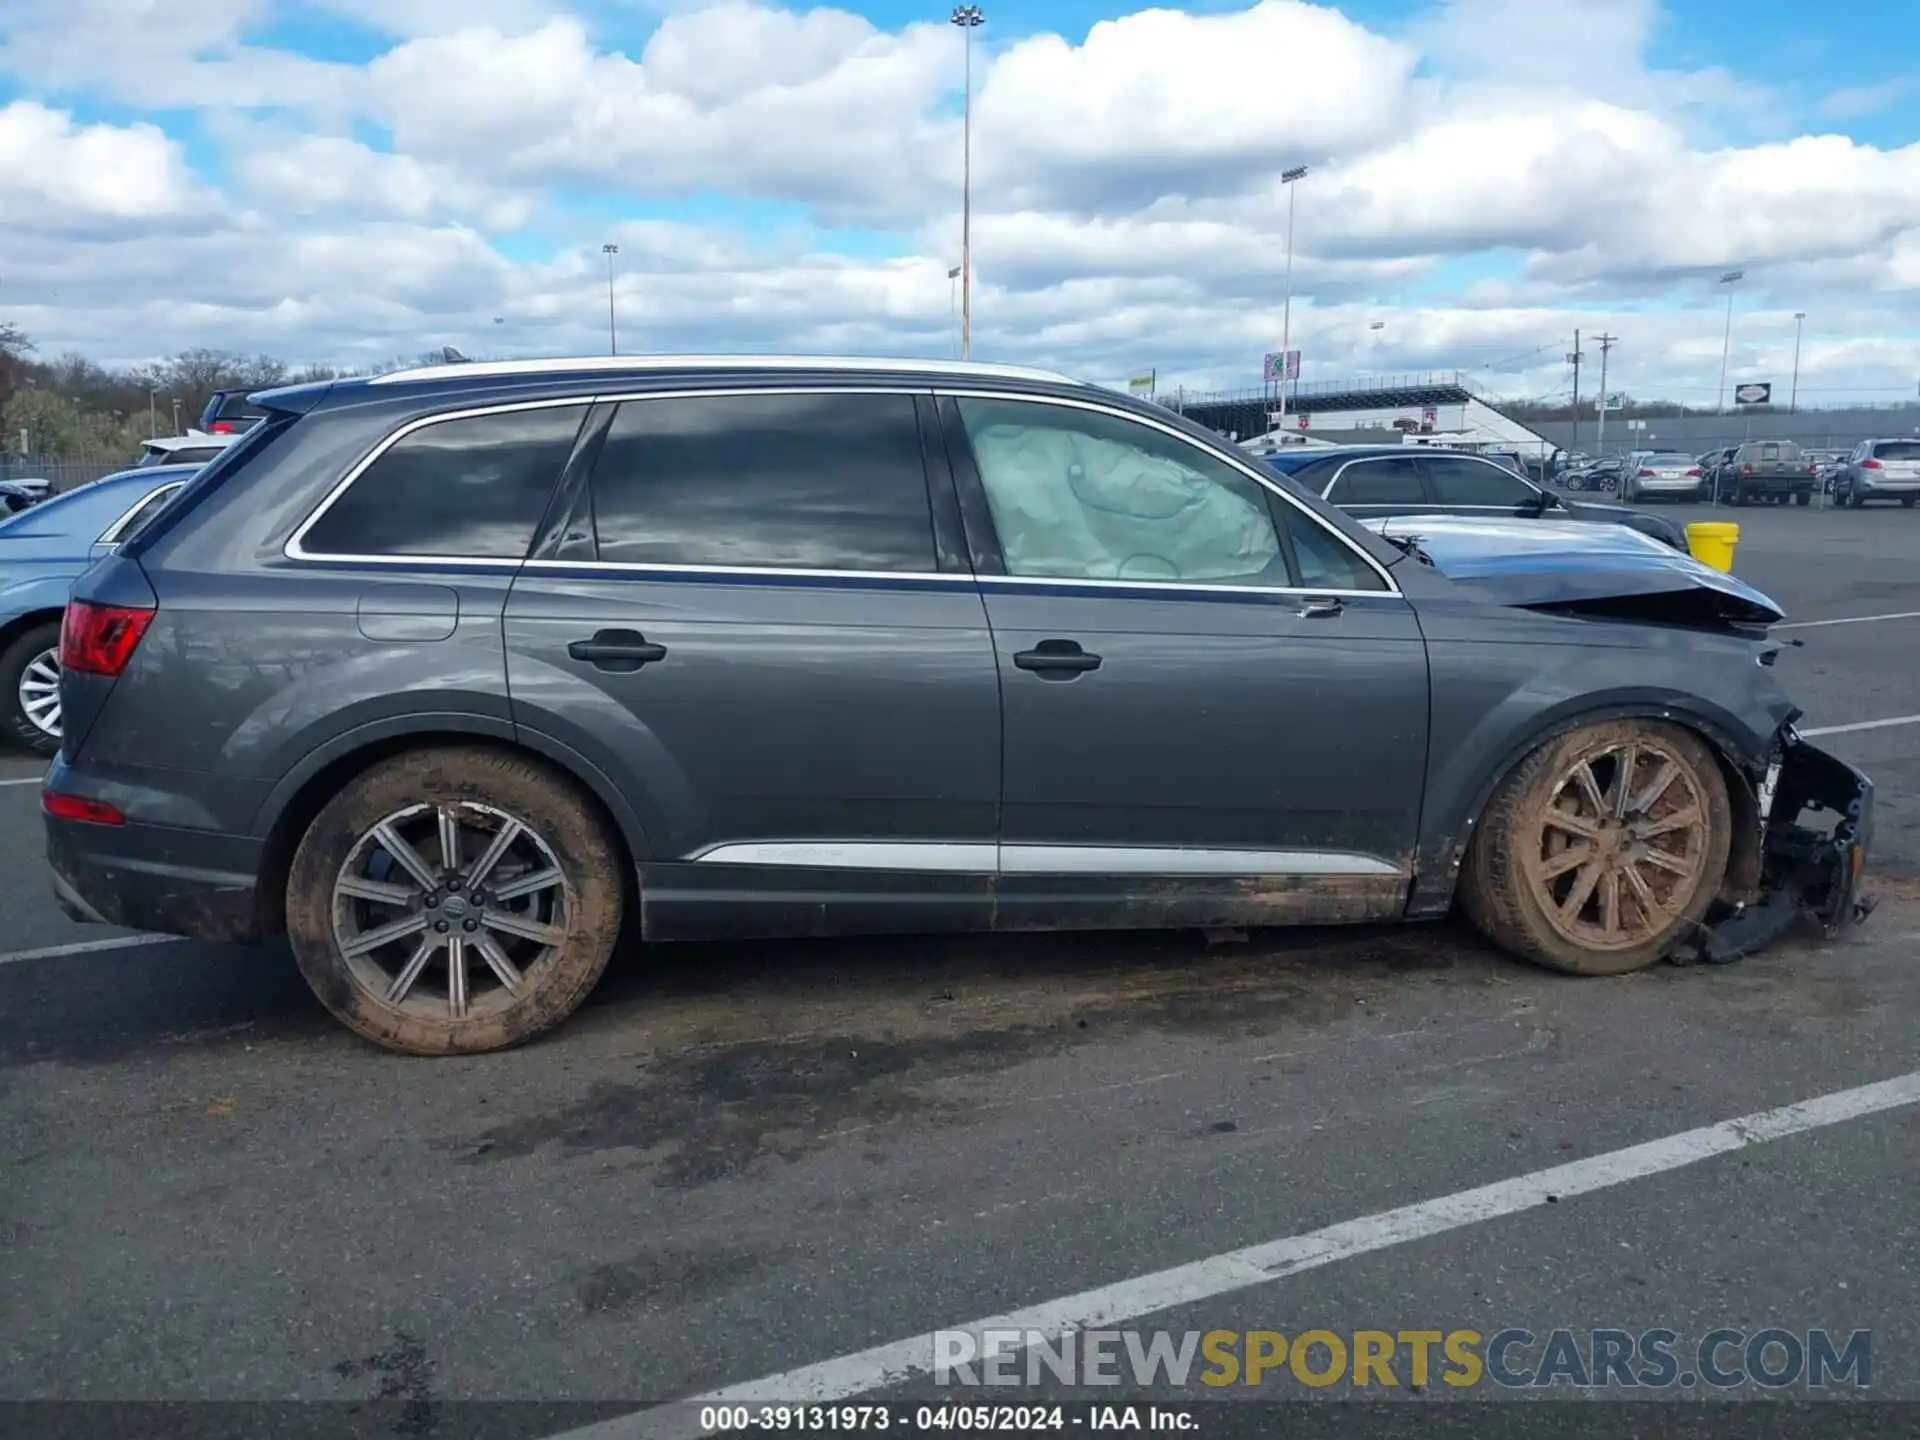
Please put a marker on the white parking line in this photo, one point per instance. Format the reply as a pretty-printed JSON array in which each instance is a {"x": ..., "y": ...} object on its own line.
[
  {"x": 902, "y": 1360},
  {"x": 1862, "y": 725},
  {"x": 86, "y": 947},
  {"x": 26, "y": 780},
  {"x": 1850, "y": 620}
]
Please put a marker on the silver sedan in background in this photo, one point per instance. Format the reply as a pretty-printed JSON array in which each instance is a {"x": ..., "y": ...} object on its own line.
[{"x": 1662, "y": 475}]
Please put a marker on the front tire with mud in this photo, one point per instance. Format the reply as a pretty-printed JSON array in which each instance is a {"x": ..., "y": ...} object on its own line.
[
  {"x": 1602, "y": 849},
  {"x": 455, "y": 900}
]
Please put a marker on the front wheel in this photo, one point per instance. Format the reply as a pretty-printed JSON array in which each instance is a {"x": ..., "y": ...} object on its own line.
[
  {"x": 449, "y": 901},
  {"x": 1601, "y": 849},
  {"x": 30, "y": 689}
]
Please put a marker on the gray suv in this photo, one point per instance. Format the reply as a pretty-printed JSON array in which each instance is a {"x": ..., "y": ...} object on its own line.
[
  {"x": 1879, "y": 470},
  {"x": 455, "y": 676}
]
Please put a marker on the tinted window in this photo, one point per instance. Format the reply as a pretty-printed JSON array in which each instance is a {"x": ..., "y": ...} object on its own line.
[
  {"x": 1665, "y": 459},
  {"x": 147, "y": 509},
  {"x": 474, "y": 487},
  {"x": 806, "y": 482},
  {"x": 1391, "y": 480},
  {"x": 1327, "y": 563},
  {"x": 1311, "y": 474},
  {"x": 1897, "y": 450},
  {"x": 1459, "y": 481},
  {"x": 1077, "y": 494}
]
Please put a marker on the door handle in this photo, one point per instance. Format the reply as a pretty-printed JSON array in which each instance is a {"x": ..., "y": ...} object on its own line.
[
  {"x": 1321, "y": 608},
  {"x": 1056, "y": 660},
  {"x": 621, "y": 651}
]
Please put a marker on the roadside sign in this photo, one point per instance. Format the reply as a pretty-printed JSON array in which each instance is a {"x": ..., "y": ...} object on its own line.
[
  {"x": 1280, "y": 365},
  {"x": 1753, "y": 394},
  {"x": 1141, "y": 384},
  {"x": 1615, "y": 401}
]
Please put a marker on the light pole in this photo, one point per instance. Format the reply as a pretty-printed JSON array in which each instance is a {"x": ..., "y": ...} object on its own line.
[
  {"x": 1373, "y": 329},
  {"x": 953, "y": 305},
  {"x": 1793, "y": 404},
  {"x": 1731, "y": 278},
  {"x": 613, "y": 347},
  {"x": 153, "y": 413},
  {"x": 969, "y": 19},
  {"x": 1288, "y": 178}
]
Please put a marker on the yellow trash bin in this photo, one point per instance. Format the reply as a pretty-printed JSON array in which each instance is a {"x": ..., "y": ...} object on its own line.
[{"x": 1711, "y": 542}]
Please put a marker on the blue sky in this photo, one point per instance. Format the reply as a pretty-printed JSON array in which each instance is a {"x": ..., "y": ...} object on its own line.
[{"x": 348, "y": 179}]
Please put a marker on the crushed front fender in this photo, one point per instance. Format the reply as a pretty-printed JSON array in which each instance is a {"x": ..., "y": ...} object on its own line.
[{"x": 1816, "y": 817}]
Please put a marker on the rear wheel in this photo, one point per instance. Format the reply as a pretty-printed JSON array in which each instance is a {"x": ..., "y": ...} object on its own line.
[
  {"x": 455, "y": 900},
  {"x": 1907, "y": 500},
  {"x": 1805, "y": 497},
  {"x": 1601, "y": 849},
  {"x": 30, "y": 688}
]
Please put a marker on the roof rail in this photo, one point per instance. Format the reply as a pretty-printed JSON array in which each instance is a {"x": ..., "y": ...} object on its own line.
[{"x": 590, "y": 364}]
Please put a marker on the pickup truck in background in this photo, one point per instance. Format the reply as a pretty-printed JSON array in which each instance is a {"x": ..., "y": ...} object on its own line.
[{"x": 1765, "y": 472}]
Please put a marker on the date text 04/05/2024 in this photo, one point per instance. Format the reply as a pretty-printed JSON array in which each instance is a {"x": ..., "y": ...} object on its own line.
[{"x": 936, "y": 1419}]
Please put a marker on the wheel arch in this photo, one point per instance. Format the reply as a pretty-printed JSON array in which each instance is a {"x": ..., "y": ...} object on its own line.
[
  {"x": 20, "y": 624},
  {"x": 290, "y": 808},
  {"x": 1444, "y": 838}
]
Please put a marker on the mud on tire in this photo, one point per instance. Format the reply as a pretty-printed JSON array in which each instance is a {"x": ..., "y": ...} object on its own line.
[
  {"x": 1567, "y": 871},
  {"x": 425, "y": 931}
]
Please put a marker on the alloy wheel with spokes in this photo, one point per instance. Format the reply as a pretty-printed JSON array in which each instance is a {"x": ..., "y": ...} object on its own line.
[
  {"x": 456, "y": 899},
  {"x": 448, "y": 907},
  {"x": 1621, "y": 843},
  {"x": 1602, "y": 848},
  {"x": 39, "y": 693}
]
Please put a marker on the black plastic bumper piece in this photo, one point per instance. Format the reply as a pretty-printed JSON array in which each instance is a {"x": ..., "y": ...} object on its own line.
[{"x": 1807, "y": 869}]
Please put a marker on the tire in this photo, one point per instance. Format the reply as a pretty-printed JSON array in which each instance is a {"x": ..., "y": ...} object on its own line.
[
  {"x": 1804, "y": 498},
  {"x": 1906, "y": 501},
  {"x": 556, "y": 947},
  {"x": 1506, "y": 897},
  {"x": 24, "y": 674}
]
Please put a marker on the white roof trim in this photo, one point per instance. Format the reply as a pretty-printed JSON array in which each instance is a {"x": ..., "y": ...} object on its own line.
[{"x": 586, "y": 364}]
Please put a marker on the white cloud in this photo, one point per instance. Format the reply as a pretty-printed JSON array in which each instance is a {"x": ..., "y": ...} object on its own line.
[
  {"x": 820, "y": 107},
  {"x": 329, "y": 175},
  {"x": 60, "y": 177}
]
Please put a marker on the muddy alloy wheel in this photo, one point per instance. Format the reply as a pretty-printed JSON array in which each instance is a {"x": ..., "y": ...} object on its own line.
[
  {"x": 454, "y": 901},
  {"x": 1602, "y": 848}
]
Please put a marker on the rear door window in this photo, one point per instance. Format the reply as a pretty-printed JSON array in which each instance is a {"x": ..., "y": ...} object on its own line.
[
  {"x": 780, "y": 482},
  {"x": 1390, "y": 480},
  {"x": 1475, "y": 484},
  {"x": 1897, "y": 450},
  {"x": 469, "y": 488}
]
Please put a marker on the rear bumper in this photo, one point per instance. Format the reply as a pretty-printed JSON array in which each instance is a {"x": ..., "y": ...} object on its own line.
[
  {"x": 1887, "y": 489},
  {"x": 1816, "y": 828},
  {"x": 157, "y": 878}
]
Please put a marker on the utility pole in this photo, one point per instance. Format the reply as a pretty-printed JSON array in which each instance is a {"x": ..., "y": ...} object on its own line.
[
  {"x": 613, "y": 344},
  {"x": 1290, "y": 179},
  {"x": 969, "y": 19},
  {"x": 1575, "y": 358},
  {"x": 1799, "y": 319},
  {"x": 1730, "y": 278},
  {"x": 1606, "y": 343}
]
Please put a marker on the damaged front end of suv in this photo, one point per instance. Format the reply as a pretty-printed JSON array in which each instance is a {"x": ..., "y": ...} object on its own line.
[
  {"x": 1803, "y": 818},
  {"x": 1803, "y": 855}
]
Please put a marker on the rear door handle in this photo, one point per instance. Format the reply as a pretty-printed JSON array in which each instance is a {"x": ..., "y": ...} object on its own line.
[
  {"x": 621, "y": 651},
  {"x": 1056, "y": 660},
  {"x": 1324, "y": 608}
]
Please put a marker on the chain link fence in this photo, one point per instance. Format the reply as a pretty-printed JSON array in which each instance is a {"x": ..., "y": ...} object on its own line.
[{"x": 65, "y": 474}]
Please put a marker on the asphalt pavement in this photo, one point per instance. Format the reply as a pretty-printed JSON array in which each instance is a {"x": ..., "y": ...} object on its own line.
[{"x": 751, "y": 1161}]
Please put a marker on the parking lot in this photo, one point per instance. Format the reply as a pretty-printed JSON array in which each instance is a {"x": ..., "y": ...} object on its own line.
[{"x": 741, "y": 1161}]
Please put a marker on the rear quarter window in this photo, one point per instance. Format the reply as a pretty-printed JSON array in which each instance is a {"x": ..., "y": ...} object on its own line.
[{"x": 472, "y": 487}]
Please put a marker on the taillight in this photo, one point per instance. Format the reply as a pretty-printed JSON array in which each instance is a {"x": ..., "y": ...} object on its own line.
[
  {"x": 1644, "y": 475},
  {"x": 1746, "y": 469},
  {"x": 1694, "y": 471},
  {"x": 220, "y": 427},
  {"x": 100, "y": 639},
  {"x": 76, "y": 807},
  {"x": 1871, "y": 465}
]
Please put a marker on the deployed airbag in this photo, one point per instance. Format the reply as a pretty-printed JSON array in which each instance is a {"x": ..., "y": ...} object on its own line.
[{"x": 1083, "y": 506}]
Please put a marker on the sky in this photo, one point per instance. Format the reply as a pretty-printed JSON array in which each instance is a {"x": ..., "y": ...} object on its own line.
[{"x": 351, "y": 181}]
